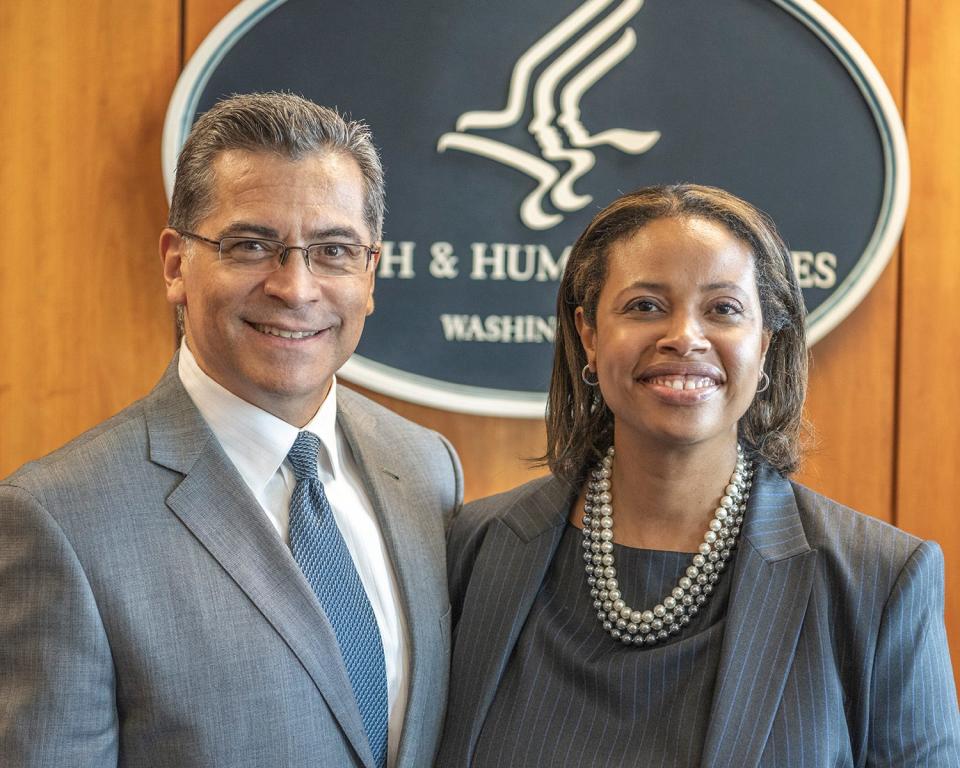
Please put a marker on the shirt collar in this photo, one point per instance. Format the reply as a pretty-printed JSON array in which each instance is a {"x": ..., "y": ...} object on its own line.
[{"x": 255, "y": 441}]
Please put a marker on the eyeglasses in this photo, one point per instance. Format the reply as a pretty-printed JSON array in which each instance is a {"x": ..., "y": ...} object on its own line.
[{"x": 260, "y": 256}]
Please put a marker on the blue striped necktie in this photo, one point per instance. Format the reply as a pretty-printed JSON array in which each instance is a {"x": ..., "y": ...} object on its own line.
[{"x": 320, "y": 551}]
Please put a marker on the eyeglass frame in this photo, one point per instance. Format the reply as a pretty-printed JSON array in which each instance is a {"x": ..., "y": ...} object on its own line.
[{"x": 372, "y": 250}]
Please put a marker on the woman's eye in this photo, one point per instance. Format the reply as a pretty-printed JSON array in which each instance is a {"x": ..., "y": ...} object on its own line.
[
  {"x": 727, "y": 308},
  {"x": 643, "y": 305}
]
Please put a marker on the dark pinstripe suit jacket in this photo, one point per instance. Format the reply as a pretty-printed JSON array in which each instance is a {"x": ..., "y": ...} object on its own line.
[{"x": 835, "y": 651}]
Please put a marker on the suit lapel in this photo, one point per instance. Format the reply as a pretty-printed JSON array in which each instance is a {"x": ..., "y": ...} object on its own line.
[
  {"x": 771, "y": 586},
  {"x": 215, "y": 504},
  {"x": 396, "y": 504},
  {"x": 511, "y": 565}
]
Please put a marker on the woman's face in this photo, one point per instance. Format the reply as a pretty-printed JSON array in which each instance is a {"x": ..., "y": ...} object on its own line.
[{"x": 678, "y": 343}]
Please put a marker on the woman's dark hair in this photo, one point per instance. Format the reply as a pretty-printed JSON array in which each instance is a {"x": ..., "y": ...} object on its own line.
[{"x": 579, "y": 424}]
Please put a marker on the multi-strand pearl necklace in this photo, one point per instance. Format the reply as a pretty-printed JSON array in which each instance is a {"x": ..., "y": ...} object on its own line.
[{"x": 675, "y": 611}]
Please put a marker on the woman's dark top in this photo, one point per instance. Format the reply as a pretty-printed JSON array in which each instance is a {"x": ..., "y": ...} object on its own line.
[{"x": 573, "y": 696}]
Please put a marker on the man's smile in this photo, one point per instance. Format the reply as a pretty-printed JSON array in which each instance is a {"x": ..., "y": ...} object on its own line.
[{"x": 285, "y": 333}]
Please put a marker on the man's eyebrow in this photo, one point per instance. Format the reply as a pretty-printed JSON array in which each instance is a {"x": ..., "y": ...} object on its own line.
[
  {"x": 248, "y": 228},
  {"x": 316, "y": 236},
  {"x": 342, "y": 233}
]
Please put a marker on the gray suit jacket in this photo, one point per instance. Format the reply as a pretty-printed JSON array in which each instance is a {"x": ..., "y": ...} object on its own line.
[
  {"x": 835, "y": 651},
  {"x": 151, "y": 616}
]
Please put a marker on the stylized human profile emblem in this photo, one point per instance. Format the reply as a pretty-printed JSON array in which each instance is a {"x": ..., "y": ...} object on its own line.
[
  {"x": 479, "y": 233},
  {"x": 575, "y": 43}
]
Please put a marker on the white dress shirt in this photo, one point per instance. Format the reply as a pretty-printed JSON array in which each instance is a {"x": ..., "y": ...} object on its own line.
[{"x": 257, "y": 443}]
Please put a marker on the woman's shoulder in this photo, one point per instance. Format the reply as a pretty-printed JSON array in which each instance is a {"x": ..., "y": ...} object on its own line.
[
  {"x": 826, "y": 520},
  {"x": 542, "y": 495},
  {"x": 527, "y": 510},
  {"x": 853, "y": 540}
]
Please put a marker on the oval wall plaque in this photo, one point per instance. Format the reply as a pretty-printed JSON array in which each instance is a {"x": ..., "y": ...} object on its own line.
[{"x": 504, "y": 127}]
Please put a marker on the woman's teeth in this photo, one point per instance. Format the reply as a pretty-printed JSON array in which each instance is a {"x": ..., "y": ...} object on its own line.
[{"x": 683, "y": 382}]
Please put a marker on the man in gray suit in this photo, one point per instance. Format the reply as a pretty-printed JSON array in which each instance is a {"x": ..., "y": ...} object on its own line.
[{"x": 246, "y": 567}]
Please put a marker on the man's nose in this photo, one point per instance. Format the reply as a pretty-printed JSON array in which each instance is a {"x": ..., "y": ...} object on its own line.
[{"x": 292, "y": 281}]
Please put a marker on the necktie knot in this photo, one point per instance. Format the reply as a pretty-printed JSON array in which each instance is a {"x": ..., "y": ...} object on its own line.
[
  {"x": 319, "y": 548},
  {"x": 303, "y": 455}
]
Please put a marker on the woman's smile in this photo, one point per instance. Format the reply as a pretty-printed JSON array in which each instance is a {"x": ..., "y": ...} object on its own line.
[{"x": 687, "y": 384}]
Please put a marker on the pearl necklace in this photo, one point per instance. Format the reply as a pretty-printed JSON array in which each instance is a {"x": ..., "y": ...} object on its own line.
[{"x": 693, "y": 589}]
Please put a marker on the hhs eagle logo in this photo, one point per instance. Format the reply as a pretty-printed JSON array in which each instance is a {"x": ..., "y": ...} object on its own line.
[
  {"x": 505, "y": 125},
  {"x": 574, "y": 43}
]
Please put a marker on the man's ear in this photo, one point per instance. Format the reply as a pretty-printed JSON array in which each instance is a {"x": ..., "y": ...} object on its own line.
[
  {"x": 172, "y": 257},
  {"x": 375, "y": 258}
]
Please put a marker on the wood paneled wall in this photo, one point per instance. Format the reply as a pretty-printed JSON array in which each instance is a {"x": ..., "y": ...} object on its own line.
[
  {"x": 84, "y": 325},
  {"x": 85, "y": 328},
  {"x": 928, "y": 331}
]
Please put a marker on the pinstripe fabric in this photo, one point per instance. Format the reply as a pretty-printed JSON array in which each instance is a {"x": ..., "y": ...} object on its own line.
[
  {"x": 150, "y": 615},
  {"x": 834, "y": 651},
  {"x": 652, "y": 702}
]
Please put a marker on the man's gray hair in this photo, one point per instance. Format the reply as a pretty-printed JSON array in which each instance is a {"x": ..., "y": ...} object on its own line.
[{"x": 283, "y": 123}]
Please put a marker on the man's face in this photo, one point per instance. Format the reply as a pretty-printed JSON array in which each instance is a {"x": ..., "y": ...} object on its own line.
[{"x": 234, "y": 319}]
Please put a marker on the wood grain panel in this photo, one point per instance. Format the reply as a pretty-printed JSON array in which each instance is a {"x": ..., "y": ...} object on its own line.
[
  {"x": 83, "y": 320},
  {"x": 851, "y": 404},
  {"x": 199, "y": 17},
  {"x": 928, "y": 482}
]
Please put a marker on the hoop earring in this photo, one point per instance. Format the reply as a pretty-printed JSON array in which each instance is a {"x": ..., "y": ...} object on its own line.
[
  {"x": 587, "y": 381},
  {"x": 764, "y": 382}
]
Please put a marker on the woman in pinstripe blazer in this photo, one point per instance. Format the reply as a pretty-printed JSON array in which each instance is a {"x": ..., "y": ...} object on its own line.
[{"x": 728, "y": 617}]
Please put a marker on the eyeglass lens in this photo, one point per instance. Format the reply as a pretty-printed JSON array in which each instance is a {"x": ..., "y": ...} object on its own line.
[{"x": 265, "y": 255}]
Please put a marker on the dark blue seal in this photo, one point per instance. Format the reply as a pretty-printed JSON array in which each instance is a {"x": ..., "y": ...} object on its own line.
[{"x": 505, "y": 126}]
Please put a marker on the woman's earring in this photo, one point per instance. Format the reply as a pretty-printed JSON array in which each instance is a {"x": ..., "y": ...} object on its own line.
[
  {"x": 586, "y": 380},
  {"x": 764, "y": 382}
]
